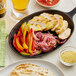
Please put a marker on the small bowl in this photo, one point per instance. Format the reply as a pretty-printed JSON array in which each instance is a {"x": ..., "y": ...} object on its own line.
[
  {"x": 67, "y": 48},
  {"x": 46, "y": 5}
]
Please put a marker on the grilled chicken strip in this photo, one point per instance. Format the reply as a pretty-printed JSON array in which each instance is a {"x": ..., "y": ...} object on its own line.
[
  {"x": 65, "y": 34},
  {"x": 64, "y": 27},
  {"x": 60, "y": 22},
  {"x": 39, "y": 23},
  {"x": 50, "y": 17}
]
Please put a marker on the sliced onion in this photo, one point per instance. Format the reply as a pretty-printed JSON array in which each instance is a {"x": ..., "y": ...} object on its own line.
[
  {"x": 47, "y": 49},
  {"x": 35, "y": 36},
  {"x": 35, "y": 53},
  {"x": 61, "y": 42}
]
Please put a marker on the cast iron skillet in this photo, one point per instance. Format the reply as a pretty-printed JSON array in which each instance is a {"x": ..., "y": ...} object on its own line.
[{"x": 67, "y": 16}]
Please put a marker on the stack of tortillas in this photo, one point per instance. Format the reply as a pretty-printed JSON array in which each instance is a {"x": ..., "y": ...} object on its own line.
[{"x": 31, "y": 70}]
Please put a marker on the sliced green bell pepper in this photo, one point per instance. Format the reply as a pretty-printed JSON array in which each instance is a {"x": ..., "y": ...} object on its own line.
[{"x": 25, "y": 54}]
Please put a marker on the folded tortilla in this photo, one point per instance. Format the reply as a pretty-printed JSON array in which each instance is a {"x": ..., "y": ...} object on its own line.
[{"x": 31, "y": 70}]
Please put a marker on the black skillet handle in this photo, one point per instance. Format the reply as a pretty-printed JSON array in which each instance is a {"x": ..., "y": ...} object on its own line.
[{"x": 72, "y": 13}]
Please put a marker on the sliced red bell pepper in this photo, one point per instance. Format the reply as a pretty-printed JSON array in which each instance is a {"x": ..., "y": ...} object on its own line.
[
  {"x": 27, "y": 42},
  {"x": 30, "y": 41},
  {"x": 33, "y": 44},
  {"x": 19, "y": 32},
  {"x": 18, "y": 39},
  {"x": 22, "y": 38},
  {"x": 18, "y": 44},
  {"x": 27, "y": 38},
  {"x": 14, "y": 43}
]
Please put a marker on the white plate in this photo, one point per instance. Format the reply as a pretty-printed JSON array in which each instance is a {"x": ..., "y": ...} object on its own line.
[{"x": 42, "y": 63}]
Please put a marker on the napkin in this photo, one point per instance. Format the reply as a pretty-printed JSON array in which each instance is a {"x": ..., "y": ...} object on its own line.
[{"x": 2, "y": 42}]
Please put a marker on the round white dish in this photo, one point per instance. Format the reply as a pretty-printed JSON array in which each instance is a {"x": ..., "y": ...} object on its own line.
[
  {"x": 67, "y": 48},
  {"x": 6, "y": 71}
]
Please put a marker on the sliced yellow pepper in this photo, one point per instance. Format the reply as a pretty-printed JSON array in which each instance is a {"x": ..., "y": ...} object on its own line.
[
  {"x": 28, "y": 26},
  {"x": 25, "y": 46},
  {"x": 19, "y": 45},
  {"x": 24, "y": 36},
  {"x": 24, "y": 25},
  {"x": 30, "y": 44}
]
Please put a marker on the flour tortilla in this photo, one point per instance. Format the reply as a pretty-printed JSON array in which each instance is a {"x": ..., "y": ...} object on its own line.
[{"x": 31, "y": 70}]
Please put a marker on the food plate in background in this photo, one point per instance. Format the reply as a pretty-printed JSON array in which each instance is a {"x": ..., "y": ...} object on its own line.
[
  {"x": 42, "y": 63},
  {"x": 26, "y": 19},
  {"x": 44, "y": 4}
]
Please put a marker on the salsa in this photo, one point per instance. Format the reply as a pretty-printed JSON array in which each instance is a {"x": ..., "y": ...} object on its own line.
[{"x": 48, "y": 2}]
